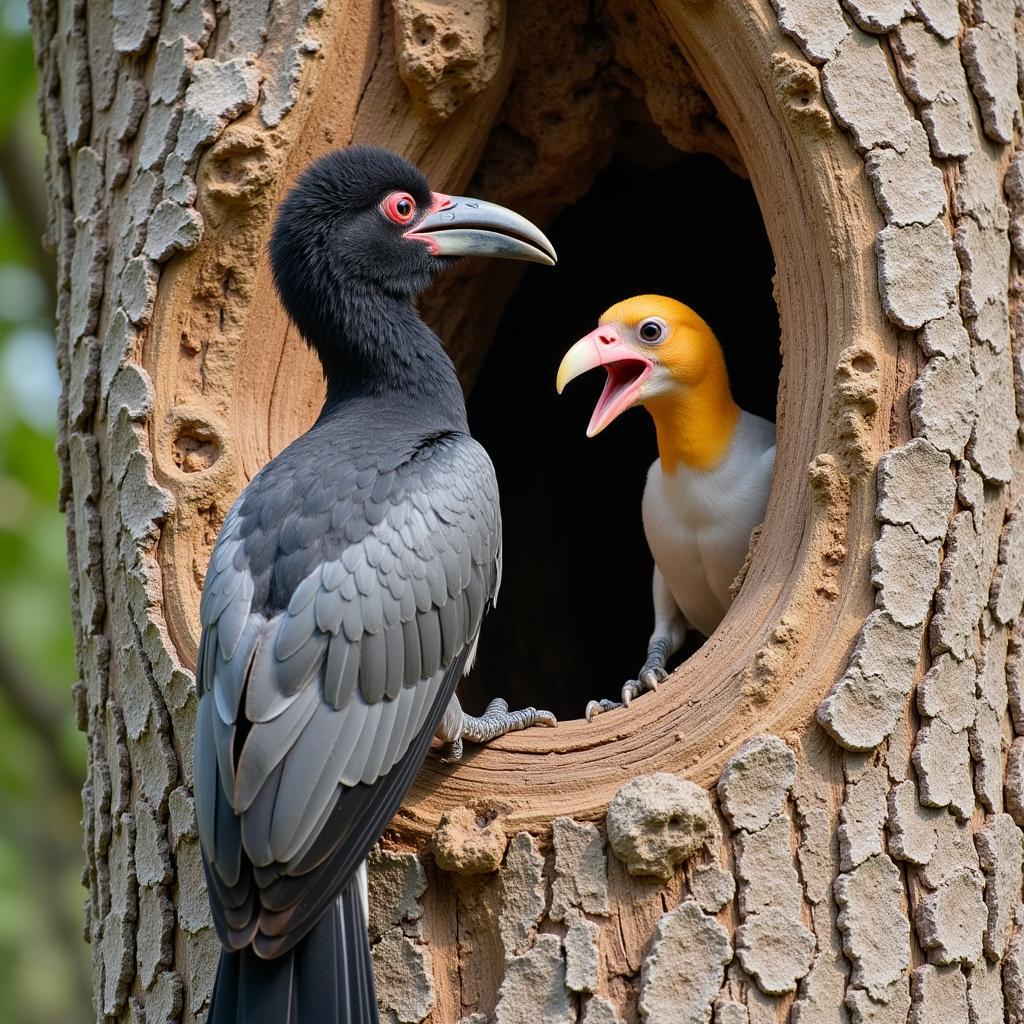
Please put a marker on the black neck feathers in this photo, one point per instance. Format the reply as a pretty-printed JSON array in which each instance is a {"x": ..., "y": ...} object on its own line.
[{"x": 379, "y": 345}]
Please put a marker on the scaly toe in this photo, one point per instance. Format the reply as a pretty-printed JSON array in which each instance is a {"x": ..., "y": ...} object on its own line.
[
  {"x": 597, "y": 707},
  {"x": 651, "y": 677},
  {"x": 630, "y": 690},
  {"x": 497, "y": 721}
]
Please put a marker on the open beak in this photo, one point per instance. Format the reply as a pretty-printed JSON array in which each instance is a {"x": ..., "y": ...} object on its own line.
[
  {"x": 457, "y": 226},
  {"x": 627, "y": 370}
]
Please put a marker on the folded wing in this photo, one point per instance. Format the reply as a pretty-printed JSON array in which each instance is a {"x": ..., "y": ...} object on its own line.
[{"x": 313, "y": 720}]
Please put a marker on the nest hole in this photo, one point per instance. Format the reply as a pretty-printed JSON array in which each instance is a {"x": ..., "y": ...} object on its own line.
[
  {"x": 196, "y": 447},
  {"x": 574, "y": 614}
]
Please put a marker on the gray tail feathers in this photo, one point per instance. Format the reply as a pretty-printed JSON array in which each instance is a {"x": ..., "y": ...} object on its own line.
[{"x": 326, "y": 979}]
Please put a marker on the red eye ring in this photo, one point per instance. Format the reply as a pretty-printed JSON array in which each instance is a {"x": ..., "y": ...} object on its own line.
[{"x": 399, "y": 207}]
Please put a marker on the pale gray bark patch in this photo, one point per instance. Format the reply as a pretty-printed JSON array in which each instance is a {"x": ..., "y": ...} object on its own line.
[
  {"x": 818, "y": 27},
  {"x": 1001, "y": 853},
  {"x": 908, "y": 186},
  {"x": 863, "y": 96},
  {"x": 403, "y": 972},
  {"x": 918, "y": 273},
  {"x": 962, "y": 593},
  {"x": 581, "y": 954},
  {"x": 685, "y": 968},
  {"x": 991, "y": 66},
  {"x": 911, "y": 825},
  {"x": 984, "y": 255},
  {"x": 939, "y": 995},
  {"x": 995, "y": 428},
  {"x": 891, "y": 1009},
  {"x": 396, "y": 883},
  {"x": 1013, "y": 980},
  {"x": 875, "y": 930},
  {"x": 916, "y": 488},
  {"x": 772, "y": 943},
  {"x": 905, "y": 571},
  {"x": 522, "y": 894},
  {"x": 950, "y": 920},
  {"x": 879, "y": 16},
  {"x": 581, "y": 881},
  {"x": 534, "y": 986},
  {"x": 942, "y": 408},
  {"x": 756, "y": 782},
  {"x": 712, "y": 887},
  {"x": 862, "y": 815},
  {"x": 984, "y": 993},
  {"x": 942, "y": 761},
  {"x": 930, "y": 69}
]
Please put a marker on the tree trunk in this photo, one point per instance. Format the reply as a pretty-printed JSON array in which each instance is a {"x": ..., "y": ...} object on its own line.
[{"x": 860, "y": 854}]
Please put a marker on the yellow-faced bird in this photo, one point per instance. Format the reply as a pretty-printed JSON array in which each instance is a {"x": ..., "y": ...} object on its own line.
[
  {"x": 709, "y": 485},
  {"x": 345, "y": 593}
]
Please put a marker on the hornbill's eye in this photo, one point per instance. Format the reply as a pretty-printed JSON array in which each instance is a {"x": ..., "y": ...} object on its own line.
[
  {"x": 399, "y": 207},
  {"x": 652, "y": 331}
]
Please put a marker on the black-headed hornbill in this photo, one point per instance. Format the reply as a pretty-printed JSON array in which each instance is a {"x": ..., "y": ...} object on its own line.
[{"x": 345, "y": 593}]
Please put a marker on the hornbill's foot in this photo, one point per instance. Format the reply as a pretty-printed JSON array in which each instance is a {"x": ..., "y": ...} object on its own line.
[
  {"x": 649, "y": 677},
  {"x": 496, "y": 721}
]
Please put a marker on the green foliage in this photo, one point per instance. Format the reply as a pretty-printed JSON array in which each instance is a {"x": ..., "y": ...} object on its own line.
[{"x": 43, "y": 961}]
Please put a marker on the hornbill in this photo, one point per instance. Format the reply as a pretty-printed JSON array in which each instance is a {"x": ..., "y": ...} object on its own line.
[
  {"x": 707, "y": 489},
  {"x": 345, "y": 593}
]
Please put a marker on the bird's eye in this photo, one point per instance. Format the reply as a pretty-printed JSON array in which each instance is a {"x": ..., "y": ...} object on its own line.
[
  {"x": 399, "y": 207},
  {"x": 651, "y": 332}
]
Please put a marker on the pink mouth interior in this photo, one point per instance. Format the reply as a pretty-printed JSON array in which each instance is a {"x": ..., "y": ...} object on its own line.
[{"x": 625, "y": 376}]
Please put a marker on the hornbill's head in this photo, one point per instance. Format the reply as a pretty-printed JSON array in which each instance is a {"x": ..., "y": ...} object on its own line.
[
  {"x": 363, "y": 221},
  {"x": 654, "y": 350}
]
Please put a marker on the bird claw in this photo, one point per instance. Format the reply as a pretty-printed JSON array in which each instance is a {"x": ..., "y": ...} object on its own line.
[
  {"x": 597, "y": 707},
  {"x": 650, "y": 677}
]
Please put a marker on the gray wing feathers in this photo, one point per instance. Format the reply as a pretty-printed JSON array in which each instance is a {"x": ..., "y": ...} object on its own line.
[
  {"x": 206, "y": 778},
  {"x": 413, "y": 655},
  {"x": 330, "y": 607},
  {"x": 341, "y": 676},
  {"x": 337, "y": 685},
  {"x": 373, "y": 667},
  {"x": 218, "y": 831},
  {"x": 394, "y": 661},
  {"x": 429, "y": 626},
  {"x": 258, "y": 760}
]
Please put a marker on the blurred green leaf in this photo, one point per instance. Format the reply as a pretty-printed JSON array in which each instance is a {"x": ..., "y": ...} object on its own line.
[
  {"x": 43, "y": 961},
  {"x": 17, "y": 76}
]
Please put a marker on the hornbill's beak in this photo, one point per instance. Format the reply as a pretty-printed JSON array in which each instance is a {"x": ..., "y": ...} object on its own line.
[
  {"x": 627, "y": 370},
  {"x": 457, "y": 226}
]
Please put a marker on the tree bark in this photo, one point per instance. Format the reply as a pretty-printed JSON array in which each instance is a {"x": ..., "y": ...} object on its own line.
[{"x": 847, "y": 845}]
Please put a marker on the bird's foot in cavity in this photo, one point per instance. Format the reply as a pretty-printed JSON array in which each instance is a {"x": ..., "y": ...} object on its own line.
[
  {"x": 649, "y": 677},
  {"x": 496, "y": 721}
]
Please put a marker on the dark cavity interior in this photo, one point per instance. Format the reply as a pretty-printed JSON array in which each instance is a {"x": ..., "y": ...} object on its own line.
[{"x": 574, "y": 613}]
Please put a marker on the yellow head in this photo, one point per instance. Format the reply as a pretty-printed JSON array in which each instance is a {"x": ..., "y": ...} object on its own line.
[{"x": 660, "y": 354}]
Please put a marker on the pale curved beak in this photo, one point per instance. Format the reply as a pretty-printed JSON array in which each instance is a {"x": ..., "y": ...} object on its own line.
[
  {"x": 458, "y": 226},
  {"x": 626, "y": 369}
]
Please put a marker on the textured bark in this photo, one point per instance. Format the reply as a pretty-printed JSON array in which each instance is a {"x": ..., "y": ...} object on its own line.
[{"x": 861, "y": 858}]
